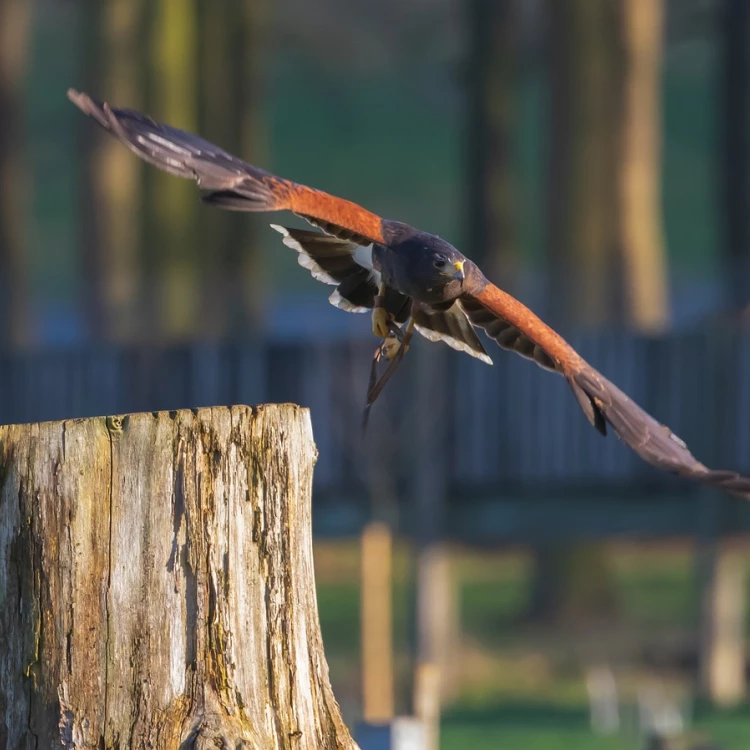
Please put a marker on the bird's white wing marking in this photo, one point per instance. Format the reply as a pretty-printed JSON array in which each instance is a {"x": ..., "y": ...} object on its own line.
[
  {"x": 303, "y": 258},
  {"x": 363, "y": 257},
  {"x": 343, "y": 304}
]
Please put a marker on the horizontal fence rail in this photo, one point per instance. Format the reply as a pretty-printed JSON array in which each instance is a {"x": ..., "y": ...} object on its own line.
[{"x": 508, "y": 441}]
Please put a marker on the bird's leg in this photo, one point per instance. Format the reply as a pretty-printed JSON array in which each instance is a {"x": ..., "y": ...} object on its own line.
[
  {"x": 391, "y": 347},
  {"x": 380, "y": 314},
  {"x": 402, "y": 337},
  {"x": 397, "y": 342}
]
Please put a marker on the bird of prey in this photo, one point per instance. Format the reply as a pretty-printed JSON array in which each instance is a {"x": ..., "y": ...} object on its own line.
[{"x": 409, "y": 280}]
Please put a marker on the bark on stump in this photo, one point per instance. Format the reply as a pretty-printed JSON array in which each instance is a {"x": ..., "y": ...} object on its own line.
[{"x": 157, "y": 587}]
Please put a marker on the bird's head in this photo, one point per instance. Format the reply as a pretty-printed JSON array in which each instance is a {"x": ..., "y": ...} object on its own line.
[
  {"x": 427, "y": 268},
  {"x": 449, "y": 266},
  {"x": 441, "y": 270}
]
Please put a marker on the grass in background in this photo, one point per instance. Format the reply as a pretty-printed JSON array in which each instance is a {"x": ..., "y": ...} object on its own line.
[
  {"x": 545, "y": 726},
  {"x": 524, "y": 726},
  {"x": 523, "y": 687}
]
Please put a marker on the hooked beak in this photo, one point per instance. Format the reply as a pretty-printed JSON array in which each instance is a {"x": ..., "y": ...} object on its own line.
[{"x": 456, "y": 271}]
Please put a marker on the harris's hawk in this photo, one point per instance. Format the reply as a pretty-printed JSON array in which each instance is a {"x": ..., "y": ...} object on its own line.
[{"x": 408, "y": 279}]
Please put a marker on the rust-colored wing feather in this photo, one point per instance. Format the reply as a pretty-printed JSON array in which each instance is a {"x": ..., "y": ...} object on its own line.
[
  {"x": 515, "y": 327},
  {"x": 235, "y": 184}
]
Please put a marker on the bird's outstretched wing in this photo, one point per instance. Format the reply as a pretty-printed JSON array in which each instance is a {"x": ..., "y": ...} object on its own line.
[
  {"x": 234, "y": 184},
  {"x": 513, "y": 326}
]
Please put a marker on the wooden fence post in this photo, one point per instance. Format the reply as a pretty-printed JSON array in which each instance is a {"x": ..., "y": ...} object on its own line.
[
  {"x": 723, "y": 609},
  {"x": 721, "y": 582},
  {"x": 157, "y": 587},
  {"x": 376, "y": 618}
]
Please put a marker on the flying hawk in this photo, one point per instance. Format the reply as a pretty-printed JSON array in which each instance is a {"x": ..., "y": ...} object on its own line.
[{"x": 408, "y": 279}]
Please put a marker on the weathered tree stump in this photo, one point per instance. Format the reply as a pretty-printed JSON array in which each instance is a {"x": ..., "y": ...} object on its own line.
[{"x": 157, "y": 587}]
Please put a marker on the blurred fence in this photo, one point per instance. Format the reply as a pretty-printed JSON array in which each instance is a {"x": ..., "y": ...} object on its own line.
[{"x": 515, "y": 456}]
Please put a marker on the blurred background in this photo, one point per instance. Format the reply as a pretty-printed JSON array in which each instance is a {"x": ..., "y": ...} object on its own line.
[{"x": 484, "y": 559}]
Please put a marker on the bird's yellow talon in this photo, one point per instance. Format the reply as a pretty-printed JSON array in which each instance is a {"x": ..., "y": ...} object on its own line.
[
  {"x": 380, "y": 322},
  {"x": 391, "y": 347}
]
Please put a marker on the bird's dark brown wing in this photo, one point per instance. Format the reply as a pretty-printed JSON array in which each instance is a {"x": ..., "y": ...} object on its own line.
[
  {"x": 346, "y": 265},
  {"x": 452, "y": 327},
  {"x": 235, "y": 184},
  {"x": 516, "y": 328}
]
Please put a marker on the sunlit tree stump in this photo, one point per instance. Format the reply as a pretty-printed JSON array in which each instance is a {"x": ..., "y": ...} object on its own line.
[{"x": 156, "y": 584}]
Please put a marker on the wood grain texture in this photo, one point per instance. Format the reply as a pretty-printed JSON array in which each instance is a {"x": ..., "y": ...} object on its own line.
[{"x": 157, "y": 586}]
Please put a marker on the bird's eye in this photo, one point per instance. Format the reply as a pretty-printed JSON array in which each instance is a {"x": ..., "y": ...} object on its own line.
[{"x": 439, "y": 263}]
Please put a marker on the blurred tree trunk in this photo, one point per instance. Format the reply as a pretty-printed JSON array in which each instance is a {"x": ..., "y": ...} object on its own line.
[
  {"x": 248, "y": 282},
  {"x": 231, "y": 54},
  {"x": 91, "y": 197},
  {"x": 734, "y": 157},
  {"x": 641, "y": 240},
  {"x": 171, "y": 245},
  {"x": 493, "y": 44},
  {"x": 583, "y": 145},
  {"x": 219, "y": 122},
  {"x": 15, "y": 303},
  {"x": 573, "y": 582},
  {"x": 110, "y": 205},
  {"x": 606, "y": 243}
]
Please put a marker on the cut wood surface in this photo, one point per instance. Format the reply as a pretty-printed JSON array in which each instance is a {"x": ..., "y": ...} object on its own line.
[{"x": 157, "y": 586}]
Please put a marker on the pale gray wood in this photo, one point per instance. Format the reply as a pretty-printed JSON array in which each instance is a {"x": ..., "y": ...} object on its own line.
[{"x": 157, "y": 586}]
